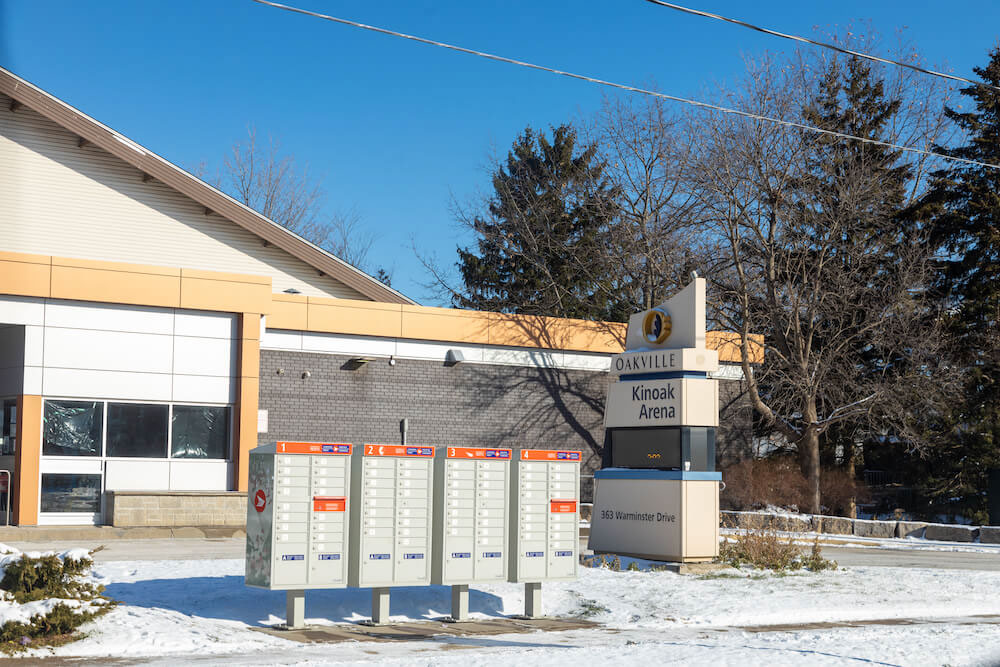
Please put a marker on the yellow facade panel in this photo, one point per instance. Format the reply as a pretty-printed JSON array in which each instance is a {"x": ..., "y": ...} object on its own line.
[
  {"x": 447, "y": 324},
  {"x": 245, "y": 437},
  {"x": 27, "y": 457},
  {"x": 24, "y": 278},
  {"x": 86, "y": 284},
  {"x": 228, "y": 277},
  {"x": 224, "y": 295},
  {"x": 288, "y": 313},
  {"x": 115, "y": 266},
  {"x": 336, "y": 316}
]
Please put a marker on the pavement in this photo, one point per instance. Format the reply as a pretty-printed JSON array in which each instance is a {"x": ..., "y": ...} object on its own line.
[{"x": 880, "y": 553}]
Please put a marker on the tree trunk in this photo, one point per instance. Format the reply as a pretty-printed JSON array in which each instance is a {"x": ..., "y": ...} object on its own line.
[
  {"x": 852, "y": 510},
  {"x": 809, "y": 455}
]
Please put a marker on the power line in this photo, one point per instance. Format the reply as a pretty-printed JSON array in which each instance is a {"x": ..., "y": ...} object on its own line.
[
  {"x": 833, "y": 47},
  {"x": 621, "y": 86}
]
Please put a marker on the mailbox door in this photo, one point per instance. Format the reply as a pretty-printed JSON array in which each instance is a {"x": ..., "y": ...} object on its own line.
[
  {"x": 291, "y": 490},
  {"x": 460, "y": 521},
  {"x": 492, "y": 516},
  {"x": 377, "y": 544},
  {"x": 533, "y": 529},
  {"x": 328, "y": 520},
  {"x": 563, "y": 520},
  {"x": 413, "y": 530}
]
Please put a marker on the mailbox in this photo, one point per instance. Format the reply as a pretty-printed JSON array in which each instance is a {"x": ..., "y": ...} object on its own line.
[
  {"x": 471, "y": 515},
  {"x": 544, "y": 514},
  {"x": 297, "y": 509},
  {"x": 391, "y": 518}
]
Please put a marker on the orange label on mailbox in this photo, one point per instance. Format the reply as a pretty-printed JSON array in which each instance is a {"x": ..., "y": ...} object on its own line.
[
  {"x": 325, "y": 504},
  {"x": 549, "y": 455},
  {"x": 312, "y": 447},
  {"x": 479, "y": 453},
  {"x": 398, "y": 450},
  {"x": 561, "y": 506}
]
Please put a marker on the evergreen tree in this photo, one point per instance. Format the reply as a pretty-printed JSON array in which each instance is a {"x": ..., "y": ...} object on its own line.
[
  {"x": 551, "y": 205},
  {"x": 963, "y": 207}
]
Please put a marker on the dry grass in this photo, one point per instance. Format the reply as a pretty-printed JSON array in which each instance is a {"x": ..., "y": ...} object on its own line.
[{"x": 762, "y": 547}]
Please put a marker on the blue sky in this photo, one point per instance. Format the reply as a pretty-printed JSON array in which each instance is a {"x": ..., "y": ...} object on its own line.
[{"x": 398, "y": 130}]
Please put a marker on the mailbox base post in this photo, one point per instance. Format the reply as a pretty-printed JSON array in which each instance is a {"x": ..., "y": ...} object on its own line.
[
  {"x": 295, "y": 609},
  {"x": 460, "y": 602},
  {"x": 380, "y": 606},
  {"x": 533, "y": 599}
]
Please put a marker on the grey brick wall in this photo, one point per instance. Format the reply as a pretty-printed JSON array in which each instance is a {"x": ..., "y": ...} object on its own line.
[{"x": 473, "y": 405}]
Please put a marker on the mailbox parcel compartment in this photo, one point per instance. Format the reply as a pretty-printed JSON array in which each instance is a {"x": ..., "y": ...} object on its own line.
[
  {"x": 544, "y": 515},
  {"x": 297, "y": 515},
  {"x": 471, "y": 515},
  {"x": 391, "y": 519}
]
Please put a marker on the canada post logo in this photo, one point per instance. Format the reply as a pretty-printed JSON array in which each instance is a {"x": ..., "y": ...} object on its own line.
[{"x": 656, "y": 326}]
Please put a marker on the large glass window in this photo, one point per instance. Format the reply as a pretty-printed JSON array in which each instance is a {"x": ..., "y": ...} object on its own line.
[
  {"x": 137, "y": 429},
  {"x": 71, "y": 493},
  {"x": 199, "y": 432},
  {"x": 73, "y": 428},
  {"x": 8, "y": 426}
]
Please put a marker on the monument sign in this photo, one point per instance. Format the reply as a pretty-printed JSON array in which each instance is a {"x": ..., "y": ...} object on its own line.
[{"x": 657, "y": 496}]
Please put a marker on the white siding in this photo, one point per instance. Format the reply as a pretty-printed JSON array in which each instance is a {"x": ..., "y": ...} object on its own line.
[
  {"x": 73, "y": 349},
  {"x": 63, "y": 200}
]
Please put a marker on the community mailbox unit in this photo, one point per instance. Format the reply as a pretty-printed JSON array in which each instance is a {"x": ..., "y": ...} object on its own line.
[
  {"x": 391, "y": 520},
  {"x": 471, "y": 508},
  {"x": 297, "y": 527},
  {"x": 545, "y": 521}
]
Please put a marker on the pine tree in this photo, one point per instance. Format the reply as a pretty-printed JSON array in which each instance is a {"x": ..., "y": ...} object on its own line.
[
  {"x": 544, "y": 221},
  {"x": 963, "y": 206}
]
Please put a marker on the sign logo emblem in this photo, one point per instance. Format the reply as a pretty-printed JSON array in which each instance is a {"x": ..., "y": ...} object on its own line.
[
  {"x": 656, "y": 326},
  {"x": 259, "y": 501}
]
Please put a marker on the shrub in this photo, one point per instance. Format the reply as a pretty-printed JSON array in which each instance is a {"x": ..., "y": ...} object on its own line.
[
  {"x": 58, "y": 588},
  {"x": 759, "y": 483},
  {"x": 760, "y": 546}
]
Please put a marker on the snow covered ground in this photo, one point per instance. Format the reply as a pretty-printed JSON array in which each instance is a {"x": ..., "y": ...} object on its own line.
[{"x": 199, "y": 611}]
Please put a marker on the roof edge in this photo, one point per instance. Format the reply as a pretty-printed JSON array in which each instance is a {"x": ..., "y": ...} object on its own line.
[{"x": 148, "y": 162}]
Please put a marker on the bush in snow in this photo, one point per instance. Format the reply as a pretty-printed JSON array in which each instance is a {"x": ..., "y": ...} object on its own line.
[
  {"x": 762, "y": 547},
  {"x": 45, "y": 597}
]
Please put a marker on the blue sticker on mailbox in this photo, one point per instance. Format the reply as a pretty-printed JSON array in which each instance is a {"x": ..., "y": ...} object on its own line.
[
  {"x": 492, "y": 554},
  {"x": 378, "y": 556},
  {"x": 293, "y": 557},
  {"x": 534, "y": 554},
  {"x": 564, "y": 553},
  {"x": 329, "y": 557},
  {"x": 412, "y": 556},
  {"x": 461, "y": 554}
]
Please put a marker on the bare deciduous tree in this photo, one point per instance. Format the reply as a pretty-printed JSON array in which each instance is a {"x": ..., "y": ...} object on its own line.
[
  {"x": 812, "y": 254},
  {"x": 272, "y": 183}
]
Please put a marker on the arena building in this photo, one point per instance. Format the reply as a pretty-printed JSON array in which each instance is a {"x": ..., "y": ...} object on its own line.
[{"x": 153, "y": 330}]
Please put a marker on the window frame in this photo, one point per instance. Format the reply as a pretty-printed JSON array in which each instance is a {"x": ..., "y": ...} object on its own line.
[{"x": 103, "y": 455}]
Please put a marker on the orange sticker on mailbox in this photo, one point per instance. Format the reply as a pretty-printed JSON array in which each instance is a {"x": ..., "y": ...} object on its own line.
[
  {"x": 325, "y": 504},
  {"x": 284, "y": 447},
  {"x": 562, "y": 506},
  {"x": 398, "y": 450},
  {"x": 478, "y": 453},
  {"x": 549, "y": 455}
]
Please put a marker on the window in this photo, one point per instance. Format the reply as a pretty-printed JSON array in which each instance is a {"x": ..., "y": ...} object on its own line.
[
  {"x": 199, "y": 432},
  {"x": 71, "y": 493},
  {"x": 73, "y": 428},
  {"x": 137, "y": 429},
  {"x": 8, "y": 427},
  {"x": 133, "y": 430}
]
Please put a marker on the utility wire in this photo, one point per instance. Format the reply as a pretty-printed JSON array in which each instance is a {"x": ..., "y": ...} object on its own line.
[
  {"x": 833, "y": 47},
  {"x": 621, "y": 86}
]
